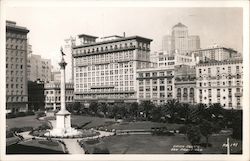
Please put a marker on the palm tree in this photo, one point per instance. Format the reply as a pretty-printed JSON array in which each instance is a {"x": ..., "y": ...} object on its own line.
[
  {"x": 184, "y": 112},
  {"x": 170, "y": 109},
  {"x": 198, "y": 113},
  {"x": 146, "y": 107},
  {"x": 216, "y": 112}
]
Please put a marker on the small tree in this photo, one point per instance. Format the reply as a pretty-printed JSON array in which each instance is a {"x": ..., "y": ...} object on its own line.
[
  {"x": 103, "y": 107},
  {"x": 194, "y": 135},
  {"x": 77, "y": 107},
  {"x": 132, "y": 109},
  {"x": 121, "y": 110},
  {"x": 113, "y": 110},
  {"x": 206, "y": 128},
  {"x": 146, "y": 107},
  {"x": 93, "y": 107},
  {"x": 237, "y": 125},
  {"x": 156, "y": 114}
]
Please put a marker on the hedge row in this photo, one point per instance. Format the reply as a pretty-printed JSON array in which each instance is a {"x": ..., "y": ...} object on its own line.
[{"x": 19, "y": 114}]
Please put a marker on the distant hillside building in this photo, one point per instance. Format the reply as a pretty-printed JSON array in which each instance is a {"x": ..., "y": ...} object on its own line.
[
  {"x": 16, "y": 67},
  {"x": 180, "y": 41}
]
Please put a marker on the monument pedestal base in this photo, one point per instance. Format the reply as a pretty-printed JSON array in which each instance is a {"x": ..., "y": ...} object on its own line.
[{"x": 63, "y": 126}]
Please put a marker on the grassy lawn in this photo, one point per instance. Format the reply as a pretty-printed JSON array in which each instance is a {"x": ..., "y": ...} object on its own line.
[
  {"x": 218, "y": 141},
  {"x": 23, "y": 121},
  {"x": 127, "y": 144},
  {"x": 96, "y": 121},
  {"x": 142, "y": 125},
  {"x": 92, "y": 121},
  {"x": 143, "y": 144},
  {"x": 148, "y": 144},
  {"x": 35, "y": 147},
  {"x": 12, "y": 140}
]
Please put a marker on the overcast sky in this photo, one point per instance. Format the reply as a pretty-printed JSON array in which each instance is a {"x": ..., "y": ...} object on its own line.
[{"x": 50, "y": 26}]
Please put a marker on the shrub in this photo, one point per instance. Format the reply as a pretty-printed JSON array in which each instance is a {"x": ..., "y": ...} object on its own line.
[
  {"x": 237, "y": 128},
  {"x": 44, "y": 127},
  {"x": 30, "y": 113},
  {"x": 20, "y": 114},
  {"x": 14, "y": 129},
  {"x": 75, "y": 126},
  {"x": 48, "y": 143},
  {"x": 91, "y": 142},
  {"x": 183, "y": 129},
  {"x": 101, "y": 150},
  {"x": 27, "y": 128},
  {"x": 194, "y": 134},
  {"x": 10, "y": 115},
  {"x": 9, "y": 134},
  {"x": 21, "y": 129},
  {"x": 40, "y": 114}
]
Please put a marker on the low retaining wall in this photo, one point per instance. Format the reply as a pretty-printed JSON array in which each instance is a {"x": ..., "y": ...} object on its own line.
[{"x": 136, "y": 131}]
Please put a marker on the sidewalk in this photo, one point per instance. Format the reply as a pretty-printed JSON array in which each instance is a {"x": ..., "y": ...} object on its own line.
[
  {"x": 73, "y": 146},
  {"x": 26, "y": 135}
]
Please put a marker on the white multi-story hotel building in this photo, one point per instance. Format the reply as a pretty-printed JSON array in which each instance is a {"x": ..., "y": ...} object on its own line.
[
  {"x": 106, "y": 70},
  {"x": 52, "y": 94},
  {"x": 16, "y": 67},
  {"x": 220, "y": 82},
  {"x": 155, "y": 84}
]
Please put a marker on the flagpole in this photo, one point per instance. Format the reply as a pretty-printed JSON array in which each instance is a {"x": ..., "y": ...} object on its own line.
[{"x": 228, "y": 147}]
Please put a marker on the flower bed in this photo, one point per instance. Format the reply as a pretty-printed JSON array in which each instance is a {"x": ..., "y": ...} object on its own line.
[{"x": 48, "y": 143}]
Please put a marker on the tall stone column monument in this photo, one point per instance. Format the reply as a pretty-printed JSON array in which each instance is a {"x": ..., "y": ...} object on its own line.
[{"x": 63, "y": 117}]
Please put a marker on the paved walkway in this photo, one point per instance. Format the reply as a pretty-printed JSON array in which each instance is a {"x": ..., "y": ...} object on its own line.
[
  {"x": 73, "y": 146},
  {"x": 53, "y": 123},
  {"x": 26, "y": 135}
]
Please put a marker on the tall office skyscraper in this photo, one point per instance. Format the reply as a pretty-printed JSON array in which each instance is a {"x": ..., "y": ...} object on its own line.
[
  {"x": 16, "y": 67},
  {"x": 179, "y": 40}
]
